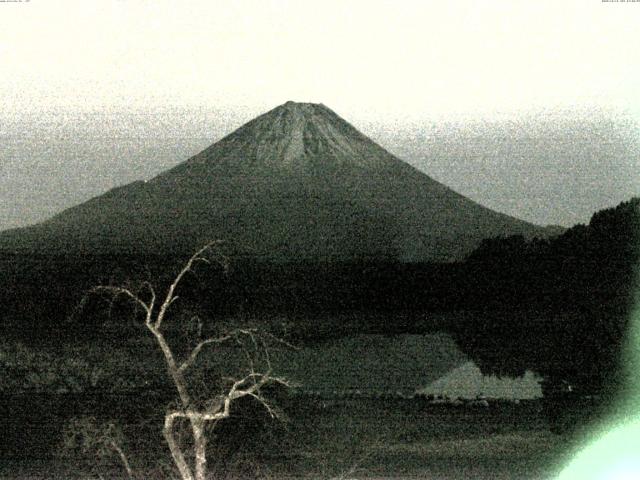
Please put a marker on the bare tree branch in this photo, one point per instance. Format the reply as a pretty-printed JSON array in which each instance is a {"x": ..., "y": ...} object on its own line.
[
  {"x": 254, "y": 347},
  {"x": 152, "y": 302},
  {"x": 123, "y": 458},
  {"x": 170, "y": 298},
  {"x": 176, "y": 451},
  {"x": 196, "y": 351},
  {"x": 121, "y": 291},
  {"x": 217, "y": 340},
  {"x": 281, "y": 341}
]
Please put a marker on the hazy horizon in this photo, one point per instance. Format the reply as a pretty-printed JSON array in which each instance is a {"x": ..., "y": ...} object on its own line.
[{"x": 554, "y": 167}]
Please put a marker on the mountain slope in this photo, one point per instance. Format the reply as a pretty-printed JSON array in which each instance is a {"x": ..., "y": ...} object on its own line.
[{"x": 296, "y": 183}]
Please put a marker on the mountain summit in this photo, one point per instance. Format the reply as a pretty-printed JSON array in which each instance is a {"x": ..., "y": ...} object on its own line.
[
  {"x": 298, "y": 138},
  {"x": 296, "y": 183}
]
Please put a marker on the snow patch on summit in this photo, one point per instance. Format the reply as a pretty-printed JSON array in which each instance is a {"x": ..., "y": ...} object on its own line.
[{"x": 296, "y": 136}]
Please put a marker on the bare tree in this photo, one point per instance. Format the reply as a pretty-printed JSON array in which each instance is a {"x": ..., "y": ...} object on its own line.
[
  {"x": 96, "y": 439},
  {"x": 191, "y": 407}
]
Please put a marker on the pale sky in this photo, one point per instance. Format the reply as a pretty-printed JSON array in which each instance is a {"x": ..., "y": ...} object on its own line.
[
  {"x": 405, "y": 66},
  {"x": 412, "y": 58}
]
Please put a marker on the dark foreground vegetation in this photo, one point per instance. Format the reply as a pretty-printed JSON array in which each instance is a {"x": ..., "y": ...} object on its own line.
[
  {"x": 559, "y": 307},
  {"x": 358, "y": 438}
]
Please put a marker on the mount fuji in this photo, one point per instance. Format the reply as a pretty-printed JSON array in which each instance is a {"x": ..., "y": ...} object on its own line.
[{"x": 297, "y": 183}]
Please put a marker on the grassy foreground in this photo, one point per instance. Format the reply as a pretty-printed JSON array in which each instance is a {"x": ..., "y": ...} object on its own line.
[{"x": 357, "y": 438}]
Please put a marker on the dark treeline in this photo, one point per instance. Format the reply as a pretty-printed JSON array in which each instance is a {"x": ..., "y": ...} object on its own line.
[
  {"x": 558, "y": 306},
  {"x": 43, "y": 294}
]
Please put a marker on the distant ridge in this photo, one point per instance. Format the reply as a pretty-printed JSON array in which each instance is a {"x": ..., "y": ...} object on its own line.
[{"x": 296, "y": 183}]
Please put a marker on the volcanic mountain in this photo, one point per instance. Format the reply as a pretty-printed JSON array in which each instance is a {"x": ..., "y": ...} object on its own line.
[{"x": 296, "y": 183}]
